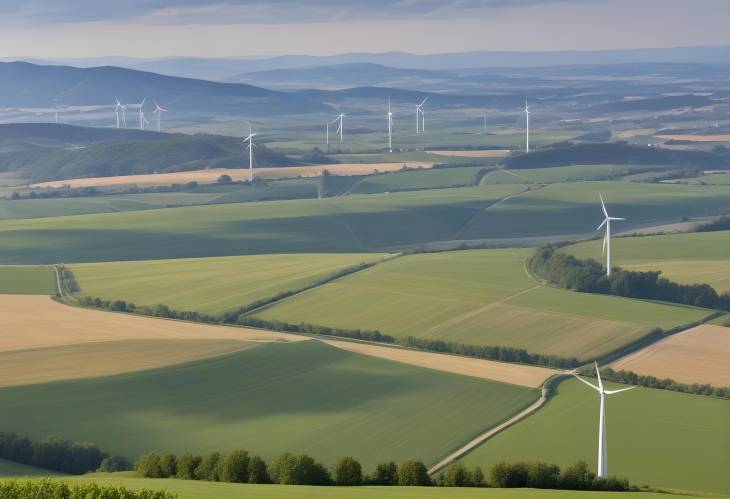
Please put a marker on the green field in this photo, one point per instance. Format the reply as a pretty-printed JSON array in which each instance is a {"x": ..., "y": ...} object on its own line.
[
  {"x": 655, "y": 437},
  {"x": 418, "y": 179},
  {"x": 189, "y": 489},
  {"x": 13, "y": 469},
  {"x": 571, "y": 173},
  {"x": 304, "y": 397},
  {"x": 479, "y": 297},
  {"x": 696, "y": 257},
  {"x": 27, "y": 280},
  {"x": 713, "y": 179},
  {"x": 210, "y": 285}
]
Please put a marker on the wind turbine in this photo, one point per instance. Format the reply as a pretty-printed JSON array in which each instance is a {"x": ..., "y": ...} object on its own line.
[
  {"x": 607, "y": 237},
  {"x": 602, "y": 452},
  {"x": 250, "y": 147},
  {"x": 484, "y": 115},
  {"x": 158, "y": 111},
  {"x": 118, "y": 107},
  {"x": 390, "y": 127},
  {"x": 142, "y": 119},
  {"x": 527, "y": 128},
  {"x": 340, "y": 128},
  {"x": 420, "y": 117}
]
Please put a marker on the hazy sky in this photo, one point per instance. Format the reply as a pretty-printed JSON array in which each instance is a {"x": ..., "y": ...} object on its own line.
[{"x": 156, "y": 28}]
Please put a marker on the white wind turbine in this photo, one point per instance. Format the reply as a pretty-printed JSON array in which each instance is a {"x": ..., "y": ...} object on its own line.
[
  {"x": 250, "y": 147},
  {"x": 340, "y": 128},
  {"x": 527, "y": 127},
  {"x": 117, "y": 108},
  {"x": 484, "y": 115},
  {"x": 142, "y": 119},
  {"x": 602, "y": 452},
  {"x": 420, "y": 117},
  {"x": 158, "y": 112},
  {"x": 390, "y": 127},
  {"x": 607, "y": 237}
]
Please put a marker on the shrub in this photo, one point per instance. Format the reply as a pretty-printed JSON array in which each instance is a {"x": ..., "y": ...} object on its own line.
[
  {"x": 413, "y": 473},
  {"x": 257, "y": 471},
  {"x": 347, "y": 471},
  {"x": 115, "y": 463},
  {"x": 168, "y": 465},
  {"x": 225, "y": 179},
  {"x": 209, "y": 469},
  {"x": 186, "y": 466},
  {"x": 234, "y": 467},
  {"x": 385, "y": 474},
  {"x": 52, "y": 489},
  {"x": 509, "y": 475},
  {"x": 148, "y": 466}
]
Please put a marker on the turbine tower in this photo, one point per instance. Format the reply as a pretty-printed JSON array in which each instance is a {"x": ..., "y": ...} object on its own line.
[
  {"x": 607, "y": 237},
  {"x": 484, "y": 115},
  {"x": 250, "y": 147},
  {"x": 142, "y": 119},
  {"x": 158, "y": 112},
  {"x": 340, "y": 128},
  {"x": 420, "y": 117},
  {"x": 117, "y": 108},
  {"x": 527, "y": 127},
  {"x": 390, "y": 127},
  {"x": 602, "y": 452}
]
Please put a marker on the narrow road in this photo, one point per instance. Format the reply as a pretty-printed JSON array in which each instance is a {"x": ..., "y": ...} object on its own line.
[{"x": 473, "y": 444}]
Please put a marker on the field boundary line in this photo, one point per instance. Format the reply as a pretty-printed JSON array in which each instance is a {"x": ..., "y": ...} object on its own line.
[{"x": 492, "y": 205}]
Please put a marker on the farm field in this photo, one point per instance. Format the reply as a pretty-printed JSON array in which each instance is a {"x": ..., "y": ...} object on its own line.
[
  {"x": 654, "y": 437},
  {"x": 27, "y": 280},
  {"x": 414, "y": 180},
  {"x": 690, "y": 258},
  {"x": 189, "y": 489},
  {"x": 13, "y": 469},
  {"x": 698, "y": 355},
  {"x": 306, "y": 396},
  {"x": 211, "y": 175},
  {"x": 210, "y": 285},
  {"x": 479, "y": 297},
  {"x": 557, "y": 174},
  {"x": 712, "y": 179},
  {"x": 474, "y": 153},
  {"x": 347, "y": 224}
]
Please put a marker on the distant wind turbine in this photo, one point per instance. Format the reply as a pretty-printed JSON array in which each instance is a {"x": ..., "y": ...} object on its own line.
[
  {"x": 142, "y": 119},
  {"x": 527, "y": 127},
  {"x": 390, "y": 127},
  {"x": 602, "y": 452},
  {"x": 158, "y": 112},
  {"x": 250, "y": 147},
  {"x": 340, "y": 128},
  {"x": 484, "y": 115},
  {"x": 607, "y": 237},
  {"x": 117, "y": 108},
  {"x": 420, "y": 117}
]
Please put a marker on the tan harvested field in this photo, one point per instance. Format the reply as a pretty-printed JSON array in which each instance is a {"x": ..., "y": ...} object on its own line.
[
  {"x": 515, "y": 374},
  {"x": 211, "y": 175},
  {"x": 491, "y": 153},
  {"x": 32, "y": 321},
  {"x": 697, "y": 138},
  {"x": 699, "y": 355},
  {"x": 104, "y": 358}
]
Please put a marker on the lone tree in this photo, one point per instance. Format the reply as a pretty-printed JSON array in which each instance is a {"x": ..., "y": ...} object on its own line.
[{"x": 225, "y": 179}]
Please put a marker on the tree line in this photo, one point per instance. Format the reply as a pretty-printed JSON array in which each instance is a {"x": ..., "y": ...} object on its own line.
[
  {"x": 540, "y": 475},
  {"x": 59, "y": 454},
  {"x": 589, "y": 276},
  {"x": 722, "y": 223},
  {"x": 56, "y": 489},
  {"x": 632, "y": 378}
]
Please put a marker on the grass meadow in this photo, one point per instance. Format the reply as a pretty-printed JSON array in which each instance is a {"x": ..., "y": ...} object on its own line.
[
  {"x": 655, "y": 437},
  {"x": 690, "y": 258},
  {"x": 210, "y": 285},
  {"x": 479, "y": 297},
  {"x": 304, "y": 397},
  {"x": 27, "y": 280},
  {"x": 572, "y": 173}
]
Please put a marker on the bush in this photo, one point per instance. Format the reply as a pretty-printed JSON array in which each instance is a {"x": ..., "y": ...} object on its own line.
[
  {"x": 168, "y": 465},
  {"x": 225, "y": 179},
  {"x": 257, "y": 471},
  {"x": 347, "y": 471},
  {"x": 385, "y": 474},
  {"x": 506, "y": 475},
  {"x": 52, "y": 489},
  {"x": 413, "y": 473},
  {"x": 148, "y": 465},
  {"x": 541, "y": 475},
  {"x": 234, "y": 467},
  {"x": 186, "y": 466},
  {"x": 115, "y": 463},
  {"x": 298, "y": 469},
  {"x": 209, "y": 469}
]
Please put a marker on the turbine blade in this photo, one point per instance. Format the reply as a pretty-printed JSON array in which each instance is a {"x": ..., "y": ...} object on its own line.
[
  {"x": 616, "y": 218},
  {"x": 587, "y": 383},
  {"x": 611, "y": 392},
  {"x": 423, "y": 102},
  {"x": 605, "y": 220},
  {"x": 603, "y": 205},
  {"x": 598, "y": 373}
]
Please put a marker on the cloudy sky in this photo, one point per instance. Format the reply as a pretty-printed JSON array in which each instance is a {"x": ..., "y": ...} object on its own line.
[{"x": 159, "y": 28}]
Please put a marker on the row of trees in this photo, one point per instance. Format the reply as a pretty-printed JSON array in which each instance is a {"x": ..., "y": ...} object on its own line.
[
  {"x": 722, "y": 223},
  {"x": 58, "y": 454},
  {"x": 238, "y": 466},
  {"x": 589, "y": 276},
  {"x": 56, "y": 489},
  {"x": 539, "y": 475},
  {"x": 632, "y": 378}
]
